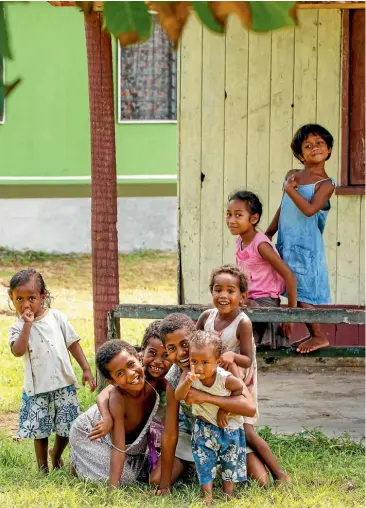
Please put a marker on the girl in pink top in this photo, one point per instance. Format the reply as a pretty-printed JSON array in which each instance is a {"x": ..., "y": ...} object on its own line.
[{"x": 269, "y": 276}]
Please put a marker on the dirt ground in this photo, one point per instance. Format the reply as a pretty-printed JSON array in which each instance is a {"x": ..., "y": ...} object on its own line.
[
  {"x": 289, "y": 402},
  {"x": 333, "y": 401}
]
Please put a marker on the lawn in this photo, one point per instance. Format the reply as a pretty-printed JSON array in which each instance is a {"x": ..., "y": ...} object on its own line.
[{"x": 325, "y": 472}]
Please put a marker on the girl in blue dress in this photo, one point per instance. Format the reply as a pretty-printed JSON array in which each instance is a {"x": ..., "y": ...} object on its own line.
[{"x": 300, "y": 223}]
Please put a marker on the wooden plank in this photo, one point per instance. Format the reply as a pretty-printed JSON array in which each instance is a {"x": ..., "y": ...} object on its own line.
[
  {"x": 348, "y": 269},
  {"x": 258, "y": 117},
  {"x": 328, "y": 106},
  {"x": 305, "y": 72},
  {"x": 236, "y": 118},
  {"x": 189, "y": 183},
  {"x": 329, "y": 352},
  {"x": 281, "y": 114},
  {"x": 260, "y": 315},
  {"x": 212, "y": 206},
  {"x": 361, "y": 270}
]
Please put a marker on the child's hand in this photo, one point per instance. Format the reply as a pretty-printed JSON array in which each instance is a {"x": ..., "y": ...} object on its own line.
[
  {"x": 195, "y": 397},
  {"x": 226, "y": 360},
  {"x": 88, "y": 378},
  {"x": 101, "y": 429},
  {"x": 160, "y": 492},
  {"x": 192, "y": 376},
  {"x": 291, "y": 184},
  {"x": 28, "y": 316},
  {"x": 222, "y": 418},
  {"x": 287, "y": 329}
]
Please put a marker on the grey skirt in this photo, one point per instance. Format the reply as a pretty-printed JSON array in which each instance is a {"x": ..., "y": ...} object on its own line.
[
  {"x": 91, "y": 459},
  {"x": 269, "y": 335}
]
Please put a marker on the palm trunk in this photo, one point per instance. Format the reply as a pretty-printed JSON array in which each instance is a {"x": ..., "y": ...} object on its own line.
[{"x": 103, "y": 174}]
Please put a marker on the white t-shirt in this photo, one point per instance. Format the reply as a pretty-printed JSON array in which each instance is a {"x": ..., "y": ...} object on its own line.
[
  {"x": 209, "y": 411},
  {"x": 47, "y": 362}
]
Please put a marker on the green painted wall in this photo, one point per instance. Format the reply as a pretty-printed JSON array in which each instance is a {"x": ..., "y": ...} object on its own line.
[{"x": 46, "y": 130}]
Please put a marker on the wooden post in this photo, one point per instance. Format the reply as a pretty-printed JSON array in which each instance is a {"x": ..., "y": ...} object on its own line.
[{"x": 103, "y": 174}]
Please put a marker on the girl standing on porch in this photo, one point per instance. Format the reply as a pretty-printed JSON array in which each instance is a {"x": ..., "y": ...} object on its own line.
[
  {"x": 300, "y": 222},
  {"x": 268, "y": 275}
]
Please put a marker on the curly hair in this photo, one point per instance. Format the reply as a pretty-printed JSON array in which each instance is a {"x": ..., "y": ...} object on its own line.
[
  {"x": 151, "y": 332},
  {"x": 108, "y": 351},
  {"x": 174, "y": 322},
  {"x": 304, "y": 132},
  {"x": 232, "y": 270},
  {"x": 253, "y": 202},
  {"x": 201, "y": 339},
  {"x": 24, "y": 276}
]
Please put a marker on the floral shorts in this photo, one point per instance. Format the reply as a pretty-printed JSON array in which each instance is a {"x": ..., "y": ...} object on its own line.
[
  {"x": 212, "y": 446},
  {"x": 44, "y": 413}
]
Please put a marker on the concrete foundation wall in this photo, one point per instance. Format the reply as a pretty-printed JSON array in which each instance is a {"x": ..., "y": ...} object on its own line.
[{"x": 63, "y": 225}]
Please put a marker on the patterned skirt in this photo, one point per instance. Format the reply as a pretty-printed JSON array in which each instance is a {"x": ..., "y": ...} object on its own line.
[{"x": 91, "y": 459}]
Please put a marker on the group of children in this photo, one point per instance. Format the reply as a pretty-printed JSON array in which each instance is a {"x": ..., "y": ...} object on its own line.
[{"x": 191, "y": 394}]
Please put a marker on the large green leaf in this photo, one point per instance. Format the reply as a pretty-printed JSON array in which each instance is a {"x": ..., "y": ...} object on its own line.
[
  {"x": 267, "y": 16},
  {"x": 205, "y": 14},
  {"x": 127, "y": 17},
  {"x": 4, "y": 37}
]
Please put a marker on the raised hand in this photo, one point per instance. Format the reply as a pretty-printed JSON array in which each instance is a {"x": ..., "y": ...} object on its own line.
[
  {"x": 291, "y": 184},
  {"x": 28, "y": 316},
  {"x": 191, "y": 375}
]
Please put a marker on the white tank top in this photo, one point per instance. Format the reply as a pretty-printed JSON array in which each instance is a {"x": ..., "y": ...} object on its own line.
[
  {"x": 230, "y": 338},
  {"x": 209, "y": 411}
]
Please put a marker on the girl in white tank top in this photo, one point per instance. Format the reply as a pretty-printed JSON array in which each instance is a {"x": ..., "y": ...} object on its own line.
[{"x": 229, "y": 287}]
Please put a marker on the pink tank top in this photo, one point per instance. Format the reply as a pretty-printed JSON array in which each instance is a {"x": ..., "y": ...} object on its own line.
[{"x": 264, "y": 281}]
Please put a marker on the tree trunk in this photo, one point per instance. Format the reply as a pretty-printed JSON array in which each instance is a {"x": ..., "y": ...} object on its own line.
[{"x": 103, "y": 174}]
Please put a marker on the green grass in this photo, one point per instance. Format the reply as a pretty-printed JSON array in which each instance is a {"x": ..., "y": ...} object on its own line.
[{"x": 325, "y": 472}]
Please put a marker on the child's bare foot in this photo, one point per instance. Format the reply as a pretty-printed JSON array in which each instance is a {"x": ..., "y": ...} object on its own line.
[
  {"x": 207, "y": 500},
  {"x": 57, "y": 462},
  {"x": 313, "y": 344},
  {"x": 297, "y": 343}
]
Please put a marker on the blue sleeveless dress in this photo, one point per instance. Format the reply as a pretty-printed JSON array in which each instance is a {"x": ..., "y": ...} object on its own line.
[{"x": 300, "y": 245}]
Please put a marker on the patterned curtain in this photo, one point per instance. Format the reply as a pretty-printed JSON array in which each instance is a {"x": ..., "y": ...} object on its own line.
[{"x": 148, "y": 79}]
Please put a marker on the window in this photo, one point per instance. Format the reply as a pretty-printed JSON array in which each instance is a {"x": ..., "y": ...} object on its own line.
[
  {"x": 353, "y": 103},
  {"x": 148, "y": 80}
]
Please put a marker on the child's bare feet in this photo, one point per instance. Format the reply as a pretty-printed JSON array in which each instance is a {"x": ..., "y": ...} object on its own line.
[
  {"x": 57, "y": 462},
  {"x": 228, "y": 490},
  {"x": 207, "y": 493},
  {"x": 313, "y": 344}
]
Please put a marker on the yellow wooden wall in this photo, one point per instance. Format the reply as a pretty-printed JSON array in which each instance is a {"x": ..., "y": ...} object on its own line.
[{"x": 274, "y": 83}]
